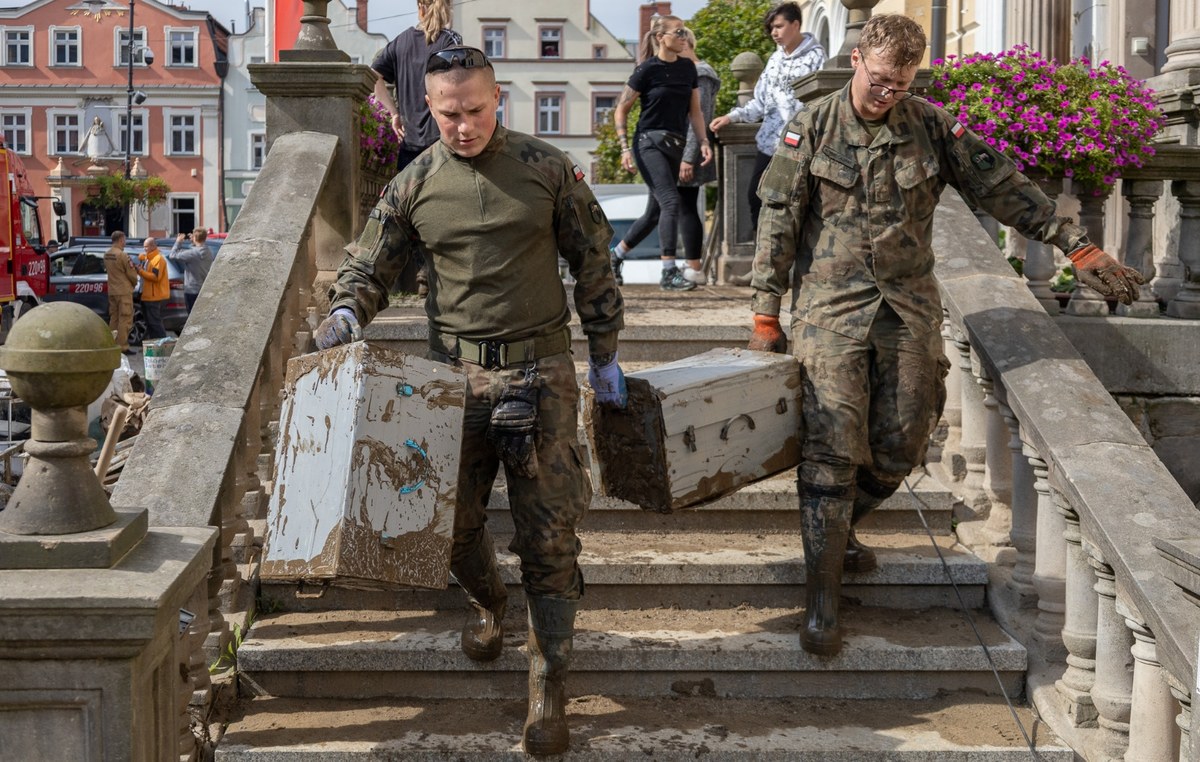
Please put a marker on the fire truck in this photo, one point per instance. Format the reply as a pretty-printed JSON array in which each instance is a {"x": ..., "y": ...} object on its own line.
[{"x": 24, "y": 265}]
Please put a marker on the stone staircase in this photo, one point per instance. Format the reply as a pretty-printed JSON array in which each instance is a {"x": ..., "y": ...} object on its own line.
[{"x": 687, "y": 646}]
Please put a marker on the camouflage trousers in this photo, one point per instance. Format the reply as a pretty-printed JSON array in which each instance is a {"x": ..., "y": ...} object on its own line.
[
  {"x": 545, "y": 509},
  {"x": 869, "y": 406}
]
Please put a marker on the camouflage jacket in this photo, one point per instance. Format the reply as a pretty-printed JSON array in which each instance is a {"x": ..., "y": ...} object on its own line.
[
  {"x": 491, "y": 228},
  {"x": 847, "y": 219}
]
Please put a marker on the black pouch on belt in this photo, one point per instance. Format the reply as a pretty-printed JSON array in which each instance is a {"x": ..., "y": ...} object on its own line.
[
  {"x": 670, "y": 143},
  {"x": 513, "y": 430}
]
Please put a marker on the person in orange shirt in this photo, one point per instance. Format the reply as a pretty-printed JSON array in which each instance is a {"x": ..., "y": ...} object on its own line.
[{"x": 156, "y": 288}]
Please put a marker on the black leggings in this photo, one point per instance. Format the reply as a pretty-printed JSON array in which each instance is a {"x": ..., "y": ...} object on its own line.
[
  {"x": 690, "y": 225},
  {"x": 660, "y": 171}
]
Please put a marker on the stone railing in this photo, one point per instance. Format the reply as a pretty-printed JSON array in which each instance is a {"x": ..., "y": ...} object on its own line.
[
  {"x": 204, "y": 456},
  {"x": 1092, "y": 542}
]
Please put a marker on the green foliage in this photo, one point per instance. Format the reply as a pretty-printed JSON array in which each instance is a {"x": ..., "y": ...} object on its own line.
[
  {"x": 608, "y": 151},
  {"x": 725, "y": 28},
  {"x": 1064, "y": 282},
  {"x": 115, "y": 192},
  {"x": 228, "y": 658}
]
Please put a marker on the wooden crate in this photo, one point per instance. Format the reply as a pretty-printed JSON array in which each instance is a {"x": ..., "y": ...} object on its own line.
[
  {"x": 698, "y": 428},
  {"x": 366, "y": 469}
]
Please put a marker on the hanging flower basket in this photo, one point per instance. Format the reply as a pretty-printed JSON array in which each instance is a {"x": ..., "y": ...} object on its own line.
[{"x": 1072, "y": 120}]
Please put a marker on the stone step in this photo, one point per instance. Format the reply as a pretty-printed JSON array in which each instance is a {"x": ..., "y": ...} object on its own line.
[
  {"x": 770, "y": 505},
  {"x": 738, "y": 652},
  {"x": 958, "y": 727},
  {"x": 696, "y": 570}
]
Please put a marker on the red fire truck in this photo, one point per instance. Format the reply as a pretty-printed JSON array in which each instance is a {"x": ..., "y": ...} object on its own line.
[{"x": 24, "y": 270}]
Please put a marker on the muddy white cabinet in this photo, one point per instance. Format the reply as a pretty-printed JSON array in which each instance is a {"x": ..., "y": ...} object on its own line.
[{"x": 366, "y": 469}]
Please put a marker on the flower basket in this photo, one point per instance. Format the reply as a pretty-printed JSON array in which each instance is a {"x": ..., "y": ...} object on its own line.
[
  {"x": 1072, "y": 120},
  {"x": 379, "y": 148}
]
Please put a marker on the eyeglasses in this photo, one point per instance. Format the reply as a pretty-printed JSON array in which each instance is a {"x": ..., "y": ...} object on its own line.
[
  {"x": 882, "y": 91},
  {"x": 467, "y": 58},
  {"x": 680, "y": 32}
]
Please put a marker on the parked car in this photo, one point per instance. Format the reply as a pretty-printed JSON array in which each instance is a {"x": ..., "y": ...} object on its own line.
[
  {"x": 213, "y": 242},
  {"x": 77, "y": 275},
  {"x": 623, "y": 204}
]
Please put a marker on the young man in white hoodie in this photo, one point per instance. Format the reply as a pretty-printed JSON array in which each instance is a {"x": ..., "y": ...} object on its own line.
[{"x": 773, "y": 103}]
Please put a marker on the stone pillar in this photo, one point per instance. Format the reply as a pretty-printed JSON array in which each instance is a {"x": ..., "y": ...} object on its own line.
[
  {"x": 1024, "y": 533},
  {"x": 1153, "y": 734},
  {"x": 1043, "y": 25},
  {"x": 1186, "y": 303},
  {"x": 974, "y": 435},
  {"x": 1050, "y": 569},
  {"x": 1184, "y": 720},
  {"x": 860, "y": 11},
  {"x": 952, "y": 460},
  {"x": 1079, "y": 627},
  {"x": 93, "y": 654},
  {"x": 997, "y": 474},
  {"x": 1183, "y": 54},
  {"x": 1085, "y": 301},
  {"x": 1114, "y": 665},
  {"x": 1040, "y": 266},
  {"x": 736, "y": 153},
  {"x": 1142, "y": 196}
]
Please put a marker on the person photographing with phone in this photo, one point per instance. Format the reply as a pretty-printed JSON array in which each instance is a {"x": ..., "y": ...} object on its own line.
[{"x": 193, "y": 255}]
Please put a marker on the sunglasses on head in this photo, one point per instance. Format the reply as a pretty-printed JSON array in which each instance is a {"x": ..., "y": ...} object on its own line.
[{"x": 467, "y": 58}]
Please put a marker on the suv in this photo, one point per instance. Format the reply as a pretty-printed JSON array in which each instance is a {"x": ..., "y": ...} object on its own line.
[{"x": 77, "y": 275}]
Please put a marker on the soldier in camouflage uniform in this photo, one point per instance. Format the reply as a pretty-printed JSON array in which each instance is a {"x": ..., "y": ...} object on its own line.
[
  {"x": 847, "y": 218},
  {"x": 492, "y": 210}
]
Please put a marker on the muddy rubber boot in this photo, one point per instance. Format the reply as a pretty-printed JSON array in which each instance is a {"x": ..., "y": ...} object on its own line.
[
  {"x": 551, "y": 628},
  {"x": 826, "y": 526},
  {"x": 483, "y": 632},
  {"x": 859, "y": 558},
  {"x": 870, "y": 495}
]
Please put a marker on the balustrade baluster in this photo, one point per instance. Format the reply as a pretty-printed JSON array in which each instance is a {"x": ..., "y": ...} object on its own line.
[
  {"x": 1040, "y": 267},
  {"x": 1184, "y": 720},
  {"x": 1086, "y": 301},
  {"x": 1024, "y": 516},
  {"x": 1079, "y": 626},
  {"x": 1051, "y": 558},
  {"x": 997, "y": 474},
  {"x": 973, "y": 446},
  {"x": 1153, "y": 734},
  {"x": 1112, "y": 691},
  {"x": 1186, "y": 303},
  {"x": 952, "y": 460},
  {"x": 1142, "y": 195}
]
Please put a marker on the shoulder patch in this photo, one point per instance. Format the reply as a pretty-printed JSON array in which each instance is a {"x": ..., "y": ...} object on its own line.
[
  {"x": 578, "y": 172},
  {"x": 983, "y": 160},
  {"x": 958, "y": 130},
  {"x": 791, "y": 138}
]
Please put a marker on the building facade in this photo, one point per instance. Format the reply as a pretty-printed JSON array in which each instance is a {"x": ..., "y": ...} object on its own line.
[
  {"x": 64, "y": 107},
  {"x": 560, "y": 70}
]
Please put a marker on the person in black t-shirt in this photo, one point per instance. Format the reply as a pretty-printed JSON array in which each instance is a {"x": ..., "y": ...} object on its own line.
[{"x": 667, "y": 87}]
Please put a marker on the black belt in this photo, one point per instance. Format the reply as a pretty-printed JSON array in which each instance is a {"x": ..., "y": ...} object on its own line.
[{"x": 494, "y": 354}]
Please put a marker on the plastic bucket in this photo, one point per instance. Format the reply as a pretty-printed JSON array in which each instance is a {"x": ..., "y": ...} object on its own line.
[{"x": 156, "y": 354}]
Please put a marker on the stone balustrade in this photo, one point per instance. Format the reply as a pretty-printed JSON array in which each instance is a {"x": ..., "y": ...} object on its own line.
[{"x": 1093, "y": 540}]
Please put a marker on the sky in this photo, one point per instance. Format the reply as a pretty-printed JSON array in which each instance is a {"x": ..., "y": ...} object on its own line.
[{"x": 390, "y": 17}]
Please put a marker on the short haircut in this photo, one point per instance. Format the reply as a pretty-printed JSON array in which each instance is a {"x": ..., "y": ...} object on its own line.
[
  {"x": 789, "y": 10},
  {"x": 200, "y": 235},
  {"x": 118, "y": 236},
  {"x": 894, "y": 39}
]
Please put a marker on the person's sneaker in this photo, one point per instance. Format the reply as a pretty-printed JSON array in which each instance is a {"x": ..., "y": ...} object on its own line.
[
  {"x": 673, "y": 280},
  {"x": 695, "y": 276},
  {"x": 616, "y": 263}
]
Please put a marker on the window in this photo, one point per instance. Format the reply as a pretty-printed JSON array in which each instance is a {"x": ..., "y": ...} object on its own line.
[
  {"x": 15, "y": 126},
  {"x": 18, "y": 47},
  {"x": 602, "y": 108},
  {"x": 493, "y": 41},
  {"x": 258, "y": 150},
  {"x": 181, "y": 133},
  {"x": 549, "y": 114},
  {"x": 183, "y": 212},
  {"x": 551, "y": 41},
  {"x": 64, "y": 132},
  {"x": 139, "y": 44},
  {"x": 138, "y": 132},
  {"x": 181, "y": 47},
  {"x": 64, "y": 46},
  {"x": 502, "y": 109},
  {"x": 599, "y": 51}
]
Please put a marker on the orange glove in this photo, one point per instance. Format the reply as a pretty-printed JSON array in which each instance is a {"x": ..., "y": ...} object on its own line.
[
  {"x": 767, "y": 336},
  {"x": 1100, "y": 271}
]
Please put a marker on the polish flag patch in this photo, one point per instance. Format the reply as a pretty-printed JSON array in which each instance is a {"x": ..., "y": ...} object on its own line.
[
  {"x": 578, "y": 171},
  {"x": 791, "y": 138},
  {"x": 958, "y": 130}
]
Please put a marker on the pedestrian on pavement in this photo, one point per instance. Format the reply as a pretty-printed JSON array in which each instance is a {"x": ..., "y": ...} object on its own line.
[
  {"x": 848, "y": 203},
  {"x": 774, "y": 104},
  {"x": 692, "y": 176},
  {"x": 196, "y": 259},
  {"x": 156, "y": 288},
  {"x": 668, "y": 88},
  {"x": 522, "y": 399},
  {"x": 122, "y": 278},
  {"x": 401, "y": 65}
]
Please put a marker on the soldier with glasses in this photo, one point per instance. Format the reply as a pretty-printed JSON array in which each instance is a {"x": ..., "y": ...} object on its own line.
[{"x": 493, "y": 209}]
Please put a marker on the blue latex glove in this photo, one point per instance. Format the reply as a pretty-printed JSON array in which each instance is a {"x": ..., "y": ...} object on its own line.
[
  {"x": 339, "y": 328},
  {"x": 608, "y": 382}
]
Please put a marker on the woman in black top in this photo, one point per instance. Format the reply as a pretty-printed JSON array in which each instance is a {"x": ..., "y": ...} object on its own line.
[
  {"x": 667, "y": 86},
  {"x": 402, "y": 64}
]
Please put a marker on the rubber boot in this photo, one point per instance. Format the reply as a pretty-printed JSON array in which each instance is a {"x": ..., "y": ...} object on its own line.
[
  {"x": 870, "y": 495},
  {"x": 551, "y": 628},
  {"x": 483, "y": 632},
  {"x": 826, "y": 526}
]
